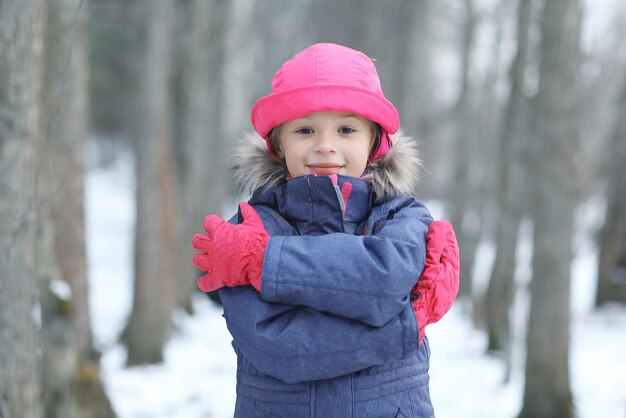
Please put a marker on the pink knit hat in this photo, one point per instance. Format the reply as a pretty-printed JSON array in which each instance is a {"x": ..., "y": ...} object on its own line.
[{"x": 326, "y": 77}]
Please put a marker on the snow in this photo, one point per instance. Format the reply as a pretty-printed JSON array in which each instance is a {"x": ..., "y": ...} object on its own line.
[
  {"x": 197, "y": 377},
  {"x": 61, "y": 289}
]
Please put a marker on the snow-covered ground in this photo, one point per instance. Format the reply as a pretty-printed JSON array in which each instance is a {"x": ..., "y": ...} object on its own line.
[{"x": 197, "y": 379}]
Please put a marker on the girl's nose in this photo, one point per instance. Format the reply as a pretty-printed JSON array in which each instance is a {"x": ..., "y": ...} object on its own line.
[{"x": 325, "y": 143}]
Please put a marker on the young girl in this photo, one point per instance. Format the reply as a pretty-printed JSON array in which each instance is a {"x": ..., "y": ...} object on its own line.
[{"x": 318, "y": 273}]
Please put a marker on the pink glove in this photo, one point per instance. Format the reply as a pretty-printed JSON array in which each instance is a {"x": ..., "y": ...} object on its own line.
[
  {"x": 231, "y": 255},
  {"x": 438, "y": 285}
]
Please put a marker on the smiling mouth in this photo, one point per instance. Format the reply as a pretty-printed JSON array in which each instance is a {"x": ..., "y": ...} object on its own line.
[{"x": 324, "y": 169}]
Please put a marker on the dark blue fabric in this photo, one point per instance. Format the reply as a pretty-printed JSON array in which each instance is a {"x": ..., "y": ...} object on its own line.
[
  {"x": 334, "y": 304},
  {"x": 396, "y": 389}
]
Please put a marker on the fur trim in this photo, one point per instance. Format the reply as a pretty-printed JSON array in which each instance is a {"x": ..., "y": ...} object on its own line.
[
  {"x": 395, "y": 173},
  {"x": 253, "y": 167}
]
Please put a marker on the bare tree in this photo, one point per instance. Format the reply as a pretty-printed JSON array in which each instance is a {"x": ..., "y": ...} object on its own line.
[
  {"x": 463, "y": 214},
  {"x": 201, "y": 144},
  {"x": 612, "y": 266},
  {"x": 547, "y": 387},
  {"x": 417, "y": 100},
  {"x": 21, "y": 37},
  {"x": 388, "y": 32},
  {"x": 510, "y": 194},
  {"x": 72, "y": 386},
  {"x": 341, "y": 22},
  {"x": 156, "y": 226}
]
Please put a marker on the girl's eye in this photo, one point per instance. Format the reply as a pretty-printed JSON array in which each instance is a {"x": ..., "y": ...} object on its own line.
[
  {"x": 346, "y": 130},
  {"x": 304, "y": 131}
]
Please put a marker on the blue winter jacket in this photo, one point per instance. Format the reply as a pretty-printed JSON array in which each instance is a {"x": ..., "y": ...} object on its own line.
[{"x": 332, "y": 333}]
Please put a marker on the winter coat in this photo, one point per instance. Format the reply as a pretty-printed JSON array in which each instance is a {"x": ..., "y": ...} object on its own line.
[{"x": 332, "y": 333}]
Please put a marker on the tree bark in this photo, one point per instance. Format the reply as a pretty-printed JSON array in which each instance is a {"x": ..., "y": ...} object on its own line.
[
  {"x": 417, "y": 100},
  {"x": 463, "y": 215},
  {"x": 510, "y": 192},
  {"x": 202, "y": 144},
  {"x": 72, "y": 386},
  {"x": 612, "y": 266},
  {"x": 21, "y": 37},
  {"x": 156, "y": 226},
  {"x": 547, "y": 391}
]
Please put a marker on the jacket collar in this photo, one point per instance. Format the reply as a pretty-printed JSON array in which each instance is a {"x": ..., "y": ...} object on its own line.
[
  {"x": 395, "y": 173},
  {"x": 316, "y": 204}
]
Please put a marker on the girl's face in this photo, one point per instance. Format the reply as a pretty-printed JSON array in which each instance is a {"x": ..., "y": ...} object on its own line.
[{"x": 326, "y": 143}]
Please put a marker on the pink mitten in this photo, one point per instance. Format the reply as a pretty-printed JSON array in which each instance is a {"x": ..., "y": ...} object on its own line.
[
  {"x": 231, "y": 255},
  {"x": 437, "y": 287}
]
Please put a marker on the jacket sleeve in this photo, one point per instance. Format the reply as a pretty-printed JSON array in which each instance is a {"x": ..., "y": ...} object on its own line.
[
  {"x": 297, "y": 343},
  {"x": 365, "y": 278}
]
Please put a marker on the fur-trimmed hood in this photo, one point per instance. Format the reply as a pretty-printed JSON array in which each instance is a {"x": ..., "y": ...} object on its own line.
[{"x": 397, "y": 172}]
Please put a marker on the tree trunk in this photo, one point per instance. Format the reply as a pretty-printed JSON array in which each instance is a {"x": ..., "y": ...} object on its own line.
[
  {"x": 156, "y": 228},
  {"x": 72, "y": 386},
  {"x": 202, "y": 145},
  {"x": 547, "y": 388},
  {"x": 463, "y": 215},
  {"x": 341, "y": 22},
  {"x": 21, "y": 37},
  {"x": 612, "y": 268},
  {"x": 383, "y": 21},
  {"x": 510, "y": 193},
  {"x": 417, "y": 100}
]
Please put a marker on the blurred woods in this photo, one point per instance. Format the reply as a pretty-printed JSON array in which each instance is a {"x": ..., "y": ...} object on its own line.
[{"x": 518, "y": 107}]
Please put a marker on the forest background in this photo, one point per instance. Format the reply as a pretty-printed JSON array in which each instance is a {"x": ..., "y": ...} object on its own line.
[{"x": 519, "y": 107}]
